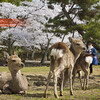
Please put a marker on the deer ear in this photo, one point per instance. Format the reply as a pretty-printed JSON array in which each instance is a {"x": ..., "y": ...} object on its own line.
[
  {"x": 15, "y": 53},
  {"x": 6, "y": 55},
  {"x": 70, "y": 39},
  {"x": 81, "y": 38}
]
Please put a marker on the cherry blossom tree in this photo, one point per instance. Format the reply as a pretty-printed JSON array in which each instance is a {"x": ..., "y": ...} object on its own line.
[{"x": 36, "y": 13}]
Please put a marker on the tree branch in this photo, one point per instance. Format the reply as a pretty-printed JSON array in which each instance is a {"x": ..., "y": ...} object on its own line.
[
  {"x": 41, "y": 6},
  {"x": 71, "y": 7},
  {"x": 69, "y": 18}
]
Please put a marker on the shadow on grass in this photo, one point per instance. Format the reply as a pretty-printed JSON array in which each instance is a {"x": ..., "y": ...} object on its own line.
[
  {"x": 96, "y": 75},
  {"x": 78, "y": 87},
  {"x": 37, "y": 95},
  {"x": 93, "y": 86}
]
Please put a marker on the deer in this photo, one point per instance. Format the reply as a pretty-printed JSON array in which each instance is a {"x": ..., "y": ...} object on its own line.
[
  {"x": 82, "y": 64},
  {"x": 16, "y": 82},
  {"x": 62, "y": 58},
  {"x": 5, "y": 78}
]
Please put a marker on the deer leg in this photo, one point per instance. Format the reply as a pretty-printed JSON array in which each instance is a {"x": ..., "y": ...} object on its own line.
[
  {"x": 61, "y": 87},
  {"x": 80, "y": 77},
  {"x": 74, "y": 74},
  {"x": 84, "y": 86},
  {"x": 65, "y": 77},
  {"x": 70, "y": 80},
  {"x": 48, "y": 81},
  {"x": 85, "y": 77},
  {"x": 55, "y": 86},
  {"x": 84, "y": 83},
  {"x": 6, "y": 89},
  {"x": 55, "y": 74}
]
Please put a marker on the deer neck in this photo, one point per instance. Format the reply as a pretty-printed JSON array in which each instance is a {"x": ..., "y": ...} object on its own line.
[
  {"x": 16, "y": 76},
  {"x": 76, "y": 53},
  {"x": 16, "y": 83}
]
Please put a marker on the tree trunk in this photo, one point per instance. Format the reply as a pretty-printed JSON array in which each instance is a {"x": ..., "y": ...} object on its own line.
[
  {"x": 48, "y": 56},
  {"x": 9, "y": 46},
  {"x": 45, "y": 53},
  {"x": 27, "y": 55},
  {"x": 63, "y": 38},
  {"x": 73, "y": 35},
  {"x": 33, "y": 52},
  {"x": 43, "y": 57}
]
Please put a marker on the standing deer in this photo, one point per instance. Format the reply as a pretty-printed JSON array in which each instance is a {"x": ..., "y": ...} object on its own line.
[
  {"x": 17, "y": 82},
  {"x": 83, "y": 64},
  {"x": 62, "y": 58}
]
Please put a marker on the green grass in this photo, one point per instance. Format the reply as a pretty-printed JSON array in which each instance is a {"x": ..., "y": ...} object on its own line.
[
  {"x": 29, "y": 70},
  {"x": 36, "y": 92},
  {"x": 35, "y": 70},
  {"x": 4, "y": 69}
]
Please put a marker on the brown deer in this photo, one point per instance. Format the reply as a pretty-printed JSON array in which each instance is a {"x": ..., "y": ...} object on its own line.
[
  {"x": 5, "y": 78},
  {"x": 62, "y": 58},
  {"x": 82, "y": 64},
  {"x": 17, "y": 82}
]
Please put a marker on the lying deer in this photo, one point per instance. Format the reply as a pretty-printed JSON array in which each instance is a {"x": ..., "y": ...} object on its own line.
[
  {"x": 5, "y": 78},
  {"x": 62, "y": 58},
  {"x": 17, "y": 82}
]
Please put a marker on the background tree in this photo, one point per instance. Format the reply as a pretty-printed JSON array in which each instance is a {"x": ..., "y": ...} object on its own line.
[
  {"x": 31, "y": 35},
  {"x": 73, "y": 17},
  {"x": 92, "y": 29}
]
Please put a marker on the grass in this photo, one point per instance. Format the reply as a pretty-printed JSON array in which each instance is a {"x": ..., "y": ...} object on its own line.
[
  {"x": 30, "y": 70},
  {"x": 36, "y": 92}
]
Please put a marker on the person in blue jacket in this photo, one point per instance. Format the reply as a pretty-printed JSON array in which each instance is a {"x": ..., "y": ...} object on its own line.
[{"x": 91, "y": 50}]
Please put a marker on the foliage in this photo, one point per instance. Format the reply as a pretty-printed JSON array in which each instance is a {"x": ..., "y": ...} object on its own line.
[
  {"x": 92, "y": 29},
  {"x": 16, "y": 2},
  {"x": 31, "y": 34},
  {"x": 73, "y": 16}
]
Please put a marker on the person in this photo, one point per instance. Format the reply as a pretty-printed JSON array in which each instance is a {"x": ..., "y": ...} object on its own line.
[{"x": 91, "y": 50}]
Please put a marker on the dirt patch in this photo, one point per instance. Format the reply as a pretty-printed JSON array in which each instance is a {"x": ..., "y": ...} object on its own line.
[{"x": 38, "y": 80}]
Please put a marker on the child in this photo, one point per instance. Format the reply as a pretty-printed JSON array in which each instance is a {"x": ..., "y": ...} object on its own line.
[{"x": 91, "y": 50}]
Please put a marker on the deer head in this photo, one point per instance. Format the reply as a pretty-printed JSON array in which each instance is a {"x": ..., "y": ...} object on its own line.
[
  {"x": 77, "y": 44},
  {"x": 14, "y": 62}
]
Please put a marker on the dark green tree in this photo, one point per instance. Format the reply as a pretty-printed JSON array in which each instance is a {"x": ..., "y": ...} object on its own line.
[
  {"x": 92, "y": 29},
  {"x": 64, "y": 22}
]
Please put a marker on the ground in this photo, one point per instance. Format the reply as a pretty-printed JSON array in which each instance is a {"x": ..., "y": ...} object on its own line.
[{"x": 37, "y": 79}]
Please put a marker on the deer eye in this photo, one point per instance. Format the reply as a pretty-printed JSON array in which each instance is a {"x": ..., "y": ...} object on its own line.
[
  {"x": 13, "y": 60},
  {"x": 77, "y": 44}
]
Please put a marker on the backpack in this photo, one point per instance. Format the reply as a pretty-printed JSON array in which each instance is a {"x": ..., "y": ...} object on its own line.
[{"x": 95, "y": 60}]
